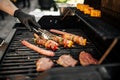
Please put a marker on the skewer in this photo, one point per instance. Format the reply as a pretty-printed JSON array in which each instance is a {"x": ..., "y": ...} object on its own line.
[
  {"x": 108, "y": 51},
  {"x": 65, "y": 14}
]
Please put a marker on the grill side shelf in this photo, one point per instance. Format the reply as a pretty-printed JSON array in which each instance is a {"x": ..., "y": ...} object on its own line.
[
  {"x": 105, "y": 30},
  {"x": 6, "y": 43}
]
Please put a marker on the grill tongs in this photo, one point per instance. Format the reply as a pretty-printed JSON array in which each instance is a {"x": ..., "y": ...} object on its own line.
[{"x": 44, "y": 33}]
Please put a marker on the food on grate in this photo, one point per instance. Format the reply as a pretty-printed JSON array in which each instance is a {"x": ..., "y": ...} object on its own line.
[
  {"x": 66, "y": 61},
  {"x": 75, "y": 38},
  {"x": 50, "y": 44},
  {"x": 86, "y": 59},
  {"x": 95, "y": 13},
  {"x": 86, "y": 9},
  {"x": 81, "y": 7},
  {"x": 43, "y": 64},
  {"x": 37, "y": 49},
  {"x": 62, "y": 41}
]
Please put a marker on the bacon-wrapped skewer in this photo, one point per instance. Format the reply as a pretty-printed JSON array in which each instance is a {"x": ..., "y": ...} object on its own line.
[
  {"x": 75, "y": 38},
  {"x": 50, "y": 44},
  {"x": 49, "y": 36},
  {"x": 62, "y": 41}
]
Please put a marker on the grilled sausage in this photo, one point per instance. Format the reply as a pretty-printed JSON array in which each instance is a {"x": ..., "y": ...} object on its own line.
[
  {"x": 58, "y": 31},
  {"x": 37, "y": 49},
  {"x": 75, "y": 38}
]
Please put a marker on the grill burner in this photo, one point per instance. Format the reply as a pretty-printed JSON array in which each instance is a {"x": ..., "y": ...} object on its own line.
[{"x": 20, "y": 60}]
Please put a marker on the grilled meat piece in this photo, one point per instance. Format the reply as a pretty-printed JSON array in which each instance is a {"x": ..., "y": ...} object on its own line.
[
  {"x": 66, "y": 61},
  {"x": 86, "y": 59},
  {"x": 43, "y": 64}
]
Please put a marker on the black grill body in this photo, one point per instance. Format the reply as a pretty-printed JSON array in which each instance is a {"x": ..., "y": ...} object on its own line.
[{"x": 19, "y": 61}]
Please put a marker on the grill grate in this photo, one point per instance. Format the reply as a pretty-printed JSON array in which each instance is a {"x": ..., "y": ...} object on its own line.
[{"x": 20, "y": 60}]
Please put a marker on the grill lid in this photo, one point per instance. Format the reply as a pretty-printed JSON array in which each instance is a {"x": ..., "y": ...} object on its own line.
[{"x": 99, "y": 25}]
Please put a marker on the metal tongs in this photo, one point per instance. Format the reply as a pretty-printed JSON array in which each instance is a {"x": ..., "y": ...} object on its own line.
[{"x": 44, "y": 33}]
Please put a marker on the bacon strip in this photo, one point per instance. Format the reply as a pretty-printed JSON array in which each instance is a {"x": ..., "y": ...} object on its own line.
[{"x": 37, "y": 49}]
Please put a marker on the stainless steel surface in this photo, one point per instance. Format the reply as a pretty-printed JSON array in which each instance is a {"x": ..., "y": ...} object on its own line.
[
  {"x": 44, "y": 33},
  {"x": 40, "y": 32},
  {"x": 1, "y": 41},
  {"x": 6, "y": 43}
]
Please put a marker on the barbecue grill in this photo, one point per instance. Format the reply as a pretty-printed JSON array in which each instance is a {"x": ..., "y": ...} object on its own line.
[{"x": 18, "y": 61}]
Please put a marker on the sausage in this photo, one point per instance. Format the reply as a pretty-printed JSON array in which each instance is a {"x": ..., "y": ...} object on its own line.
[
  {"x": 58, "y": 31},
  {"x": 37, "y": 49}
]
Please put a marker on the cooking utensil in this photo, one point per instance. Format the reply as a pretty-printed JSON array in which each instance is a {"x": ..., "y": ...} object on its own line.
[
  {"x": 44, "y": 33},
  {"x": 41, "y": 33}
]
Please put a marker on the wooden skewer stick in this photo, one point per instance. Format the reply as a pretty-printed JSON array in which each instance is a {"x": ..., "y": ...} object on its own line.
[
  {"x": 65, "y": 14},
  {"x": 108, "y": 51}
]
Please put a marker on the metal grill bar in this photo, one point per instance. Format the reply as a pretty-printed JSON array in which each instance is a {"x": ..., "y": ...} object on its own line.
[{"x": 21, "y": 60}]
